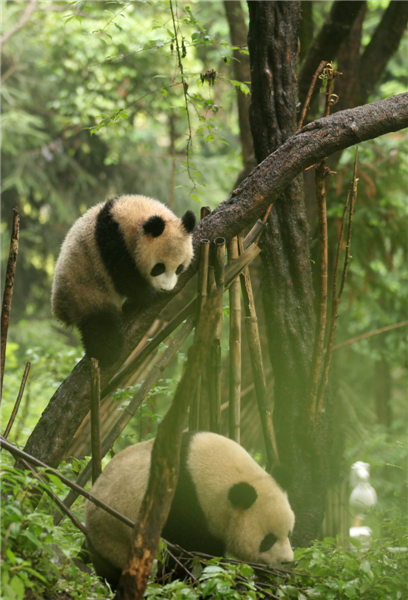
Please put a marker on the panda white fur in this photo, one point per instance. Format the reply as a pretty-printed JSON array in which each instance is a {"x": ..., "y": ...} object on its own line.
[
  {"x": 131, "y": 247},
  {"x": 224, "y": 503}
]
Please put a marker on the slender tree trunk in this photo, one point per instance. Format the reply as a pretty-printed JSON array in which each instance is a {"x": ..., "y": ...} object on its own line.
[
  {"x": 241, "y": 70},
  {"x": 287, "y": 283}
]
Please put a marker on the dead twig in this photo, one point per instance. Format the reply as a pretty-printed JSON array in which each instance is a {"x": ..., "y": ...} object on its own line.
[
  {"x": 318, "y": 72},
  {"x": 21, "y": 455},
  {"x": 8, "y": 292},
  {"x": 17, "y": 404},
  {"x": 364, "y": 336}
]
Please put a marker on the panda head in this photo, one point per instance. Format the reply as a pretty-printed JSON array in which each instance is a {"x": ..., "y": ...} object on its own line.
[
  {"x": 261, "y": 523},
  {"x": 165, "y": 249}
]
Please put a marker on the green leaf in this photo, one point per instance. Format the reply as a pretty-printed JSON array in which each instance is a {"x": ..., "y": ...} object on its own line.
[
  {"x": 171, "y": 34},
  {"x": 18, "y": 587}
]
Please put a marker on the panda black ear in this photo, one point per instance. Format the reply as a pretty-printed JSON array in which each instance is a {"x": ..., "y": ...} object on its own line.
[
  {"x": 189, "y": 221},
  {"x": 242, "y": 495},
  {"x": 282, "y": 476},
  {"x": 154, "y": 226}
]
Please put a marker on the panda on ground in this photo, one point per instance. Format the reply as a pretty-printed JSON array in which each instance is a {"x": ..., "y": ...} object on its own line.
[
  {"x": 224, "y": 504},
  {"x": 129, "y": 248}
]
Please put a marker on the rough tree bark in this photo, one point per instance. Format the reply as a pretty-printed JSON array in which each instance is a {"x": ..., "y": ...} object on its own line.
[
  {"x": 287, "y": 287},
  {"x": 70, "y": 403}
]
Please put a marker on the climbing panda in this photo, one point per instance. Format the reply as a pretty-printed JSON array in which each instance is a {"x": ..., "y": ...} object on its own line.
[
  {"x": 131, "y": 247},
  {"x": 224, "y": 504}
]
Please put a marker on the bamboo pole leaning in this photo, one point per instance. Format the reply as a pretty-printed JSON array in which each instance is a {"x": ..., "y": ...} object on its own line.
[
  {"x": 18, "y": 401},
  {"x": 214, "y": 360},
  {"x": 235, "y": 334},
  {"x": 194, "y": 415},
  {"x": 8, "y": 293},
  {"x": 255, "y": 352}
]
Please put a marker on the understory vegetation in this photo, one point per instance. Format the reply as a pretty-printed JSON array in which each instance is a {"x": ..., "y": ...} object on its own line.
[{"x": 39, "y": 559}]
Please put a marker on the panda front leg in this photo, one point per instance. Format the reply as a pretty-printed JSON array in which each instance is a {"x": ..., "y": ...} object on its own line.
[{"x": 102, "y": 335}]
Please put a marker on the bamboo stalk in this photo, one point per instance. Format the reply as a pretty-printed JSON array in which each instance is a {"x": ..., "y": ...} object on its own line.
[
  {"x": 133, "y": 405},
  {"x": 255, "y": 352},
  {"x": 18, "y": 401},
  {"x": 216, "y": 280},
  {"x": 203, "y": 275},
  {"x": 255, "y": 232},
  {"x": 321, "y": 173},
  {"x": 234, "y": 410},
  {"x": 8, "y": 292},
  {"x": 321, "y": 317},
  {"x": 336, "y": 298},
  {"x": 194, "y": 414},
  {"x": 95, "y": 420}
]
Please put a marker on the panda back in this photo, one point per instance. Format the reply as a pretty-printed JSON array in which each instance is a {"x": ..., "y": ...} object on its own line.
[{"x": 122, "y": 485}]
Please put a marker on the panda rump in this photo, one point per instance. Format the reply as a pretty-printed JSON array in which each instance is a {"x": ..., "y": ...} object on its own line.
[
  {"x": 224, "y": 504},
  {"x": 128, "y": 248}
]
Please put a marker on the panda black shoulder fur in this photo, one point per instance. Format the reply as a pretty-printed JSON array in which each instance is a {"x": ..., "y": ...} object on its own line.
[
  {"x": 130, "y": 247},
  {"x": 224, "y": 503}
]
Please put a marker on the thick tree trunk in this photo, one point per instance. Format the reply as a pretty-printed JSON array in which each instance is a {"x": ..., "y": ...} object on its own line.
[
  {"x": 70, "y": 403},
  {"x": 287, "y": 283}
]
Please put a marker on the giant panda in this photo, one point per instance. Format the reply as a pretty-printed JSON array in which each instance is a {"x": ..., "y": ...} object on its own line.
[
  {"x": 131, "y": 247},
  {"x": 224, "y": 504}
]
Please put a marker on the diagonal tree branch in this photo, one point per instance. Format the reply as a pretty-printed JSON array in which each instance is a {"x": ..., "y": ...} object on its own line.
[
  {"x": 319, "y": 139},
  {"x": 383, "y": 44},
  {"x": 328, "y": 41}
]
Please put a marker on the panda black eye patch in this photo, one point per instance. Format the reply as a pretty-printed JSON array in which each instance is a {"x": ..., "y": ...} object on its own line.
[
  {"x": 179, "y": 269},
  {"x": 158, "y": 269},
  {"x": 268, "y": 542}
]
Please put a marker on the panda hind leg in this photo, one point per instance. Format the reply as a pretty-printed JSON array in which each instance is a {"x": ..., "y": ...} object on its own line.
[{"x": 102, "y": 335}]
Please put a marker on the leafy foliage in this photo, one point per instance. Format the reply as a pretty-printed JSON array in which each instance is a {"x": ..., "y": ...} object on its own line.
[{"x": 36, "y": 555}]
